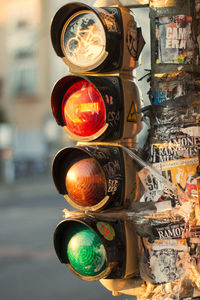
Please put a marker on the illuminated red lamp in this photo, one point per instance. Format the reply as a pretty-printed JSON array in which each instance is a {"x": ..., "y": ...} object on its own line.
[
  {"x": 89, "y": 108},
  {"x": 83, "y": 109}
]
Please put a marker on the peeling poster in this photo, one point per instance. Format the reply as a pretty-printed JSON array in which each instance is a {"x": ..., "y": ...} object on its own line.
[{"x": 174, "y": 43}]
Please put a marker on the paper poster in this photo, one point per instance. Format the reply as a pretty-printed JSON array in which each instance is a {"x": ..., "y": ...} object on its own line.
[
  {"x": 167, "y": 260},
  {"x": 182, "y": 173},
  {"x": 164, "y": 3},
  {"x": 169, "y": 90},
  {"x": 174, "y": 40},
  {"x": 183, "y": 145}
]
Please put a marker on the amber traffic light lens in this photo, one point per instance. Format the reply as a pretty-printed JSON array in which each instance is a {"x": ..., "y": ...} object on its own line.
[
  {"x": 83, "y": 109},
  {"x": 85, "y": 182}
]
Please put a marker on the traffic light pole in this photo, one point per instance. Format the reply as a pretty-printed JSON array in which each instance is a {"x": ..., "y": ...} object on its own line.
[{"x": 173, "y": 148}]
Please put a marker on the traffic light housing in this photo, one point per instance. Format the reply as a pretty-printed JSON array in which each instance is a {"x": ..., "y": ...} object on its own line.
[
  {"x": 94, "y": 249},
  {"x": 98, "y": 105},
  {"x": 95, "y": 177},
  {"x": 93, "y": 39},
  {"x": 91, "y": 108}
]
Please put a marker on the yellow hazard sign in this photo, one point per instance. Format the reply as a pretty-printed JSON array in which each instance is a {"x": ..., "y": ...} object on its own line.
[{"x": 132, "y": 114}]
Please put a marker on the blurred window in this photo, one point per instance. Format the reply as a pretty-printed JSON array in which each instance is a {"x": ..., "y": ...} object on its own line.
[
  {"x": 24, "y": 80},
  {"x": 21, "y": 39}
]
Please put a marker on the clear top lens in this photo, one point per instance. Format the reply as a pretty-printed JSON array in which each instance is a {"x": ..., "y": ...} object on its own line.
[{"x": 83, "y": 39}]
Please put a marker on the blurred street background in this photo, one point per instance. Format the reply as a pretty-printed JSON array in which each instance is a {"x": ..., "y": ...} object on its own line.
[
  {"x": 30, "y": 206},
  {"x": 29, "y": 267}
]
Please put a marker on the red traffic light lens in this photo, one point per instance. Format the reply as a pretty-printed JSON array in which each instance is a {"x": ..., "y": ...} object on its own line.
[
  {"x": 83, "y": 109},
  {"x": 85, "y": 182}
]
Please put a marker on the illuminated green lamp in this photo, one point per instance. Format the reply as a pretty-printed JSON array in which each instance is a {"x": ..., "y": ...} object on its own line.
[{"x": 85, "y": 251}]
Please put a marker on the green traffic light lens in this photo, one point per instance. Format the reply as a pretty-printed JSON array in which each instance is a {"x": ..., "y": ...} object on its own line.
[{"x": 85, "y": 251}]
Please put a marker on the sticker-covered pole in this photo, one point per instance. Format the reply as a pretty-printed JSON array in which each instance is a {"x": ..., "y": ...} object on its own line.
[{"x": 171, "y": 242}]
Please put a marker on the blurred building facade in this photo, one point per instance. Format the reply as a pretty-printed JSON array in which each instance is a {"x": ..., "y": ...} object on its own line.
[
  {"x": 25, "y": 83},
  {"x": 24, "y": 96}
]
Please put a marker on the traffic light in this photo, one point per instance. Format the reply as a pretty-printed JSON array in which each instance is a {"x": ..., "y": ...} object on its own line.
[{"x": 98, "y": 106}]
